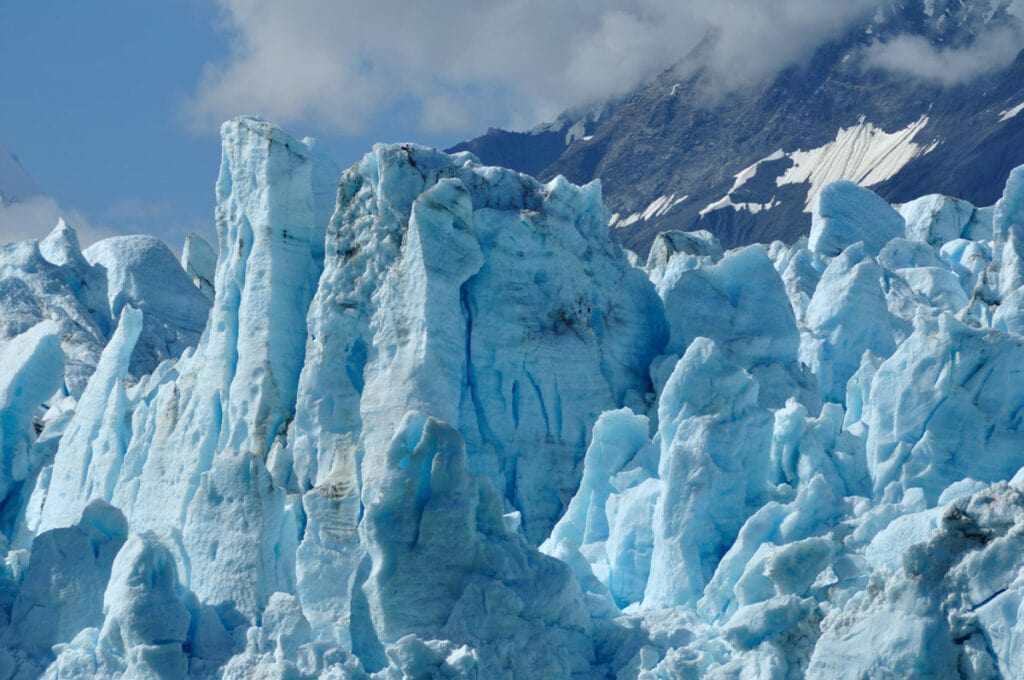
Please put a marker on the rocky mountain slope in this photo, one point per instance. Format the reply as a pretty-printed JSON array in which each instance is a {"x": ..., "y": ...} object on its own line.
[
  {"x": 15, "y": 182},
  {"x": 747, "y": 164}
]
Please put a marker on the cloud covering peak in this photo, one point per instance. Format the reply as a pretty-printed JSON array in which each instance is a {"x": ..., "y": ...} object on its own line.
[{"x": 458, "y": 64}]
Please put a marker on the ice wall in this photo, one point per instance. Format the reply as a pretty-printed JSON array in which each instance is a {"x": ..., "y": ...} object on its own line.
[
  {"x": 795, "y": 460},
  {"x": 264, "y": 461},
  {"x": 481, "y": 297},
  {"x": 865, "y": 537}
]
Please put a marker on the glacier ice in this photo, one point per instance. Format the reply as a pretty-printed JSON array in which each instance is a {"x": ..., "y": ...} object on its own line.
[
  {"x": 936, "y": 219},
  {"x": 92, "y": 446},
  {"x": 33, "y": 372},
  {"x": 70, "y": 293},
  {"x": 845, "y": 213},
  {"x": 142, "y": 272},
  {"x": 200, "y": 262},
  {"x": 84, "y": 291},
  {"x": 712, "y": 430},
  {"x": 424, "y": 418},
  {"x": 483, "y": 298},
  {"x": 63, "y": 586}
]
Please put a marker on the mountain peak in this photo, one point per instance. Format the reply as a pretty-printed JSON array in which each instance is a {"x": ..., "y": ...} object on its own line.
[{"x": 15, "y": 183}]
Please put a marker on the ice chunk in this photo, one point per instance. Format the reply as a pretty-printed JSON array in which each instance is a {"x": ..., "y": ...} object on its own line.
[
  {"x": 940, "y": 286},
  {"x": 33, "y": 289},
  {"x": 89, "y": 458},
  {"x": 899, "y": 253},
  {"x": 1007, "y": 228},
  {"x": 62, "y": 590},
  {"x": 846, "y": 213},
  {"x": 800, "y": 270},
  {"x": 886, "y": 548},
  {"x": 146, "y": 623},
  {"x": 755, "y": 623},
  {"x": 778, "y": 551},
  {"x": 936, "y": 219},
  {"x": 32, "y": 370},
  {"x": 847, "y": 316},
  {"x": 442, "y": 560},
  {"x": 698, "y": 243},
  {"x": 618, "y": 438},
  {"x": 713, "y": 467},
  {"x": 944, "y": 406},
  {"x": 968, "y": 260},
  {"x": 675, "y": 252},
  {"x": 742, "y": 305},
  {"x": 199, "y": 261},
  {"x": 61, "y": 246},
  {"x": 142, "y": 603},
  {"x": 888, "y": 642},
  {"x": 143, "y": 272},
  {"x": 236, "y": 393},
  {"x": 609, "y": 519}
]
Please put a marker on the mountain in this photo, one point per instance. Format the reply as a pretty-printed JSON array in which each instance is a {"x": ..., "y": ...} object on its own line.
[
  {"x": 15, "y": 182},
  {"x": 746, "y": 165},
  {"x": 26, "y": 211},
  {"x": 440, "y": 424}
]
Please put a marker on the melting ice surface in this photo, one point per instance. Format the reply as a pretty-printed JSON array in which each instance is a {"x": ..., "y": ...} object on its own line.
[{"x": 438, "y": 425}]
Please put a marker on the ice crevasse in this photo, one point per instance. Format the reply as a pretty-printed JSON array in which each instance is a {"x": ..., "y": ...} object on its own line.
[{"x": 437, "y": 425}]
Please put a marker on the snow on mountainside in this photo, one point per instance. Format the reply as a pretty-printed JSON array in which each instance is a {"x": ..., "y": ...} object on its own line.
[
  {"x": 437, "y": 425},
  {"x": 746, "y": 165}
]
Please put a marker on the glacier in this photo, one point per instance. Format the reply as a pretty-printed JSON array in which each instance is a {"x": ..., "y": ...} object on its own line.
[{"x": 426, "y": 418}]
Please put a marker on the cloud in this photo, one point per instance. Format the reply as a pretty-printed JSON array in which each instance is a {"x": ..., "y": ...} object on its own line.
[
  {"x": 460, "y": 63},
  {"x": 755, "y": 40},
  {"x": 914, "y": 56},
  {"x": 36, "y": 216}
]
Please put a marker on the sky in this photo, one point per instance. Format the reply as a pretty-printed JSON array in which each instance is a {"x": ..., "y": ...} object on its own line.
[
  {"x": 98, "y": 107},
  {"x": 113, "y": 106}
]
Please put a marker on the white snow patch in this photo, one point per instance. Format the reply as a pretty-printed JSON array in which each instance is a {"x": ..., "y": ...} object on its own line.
[
  {"x": 727, "y": 202},
  {"x": 742, "y": 177},
  {"x": 1010, "y": 113},
  {"x": 577, "y": 131},
  {"x": 656, "y": 208},
  {"x": 993, "y": 7},
  {"x": 863, "y": 154},
  {"x": 745, "y": 175}
]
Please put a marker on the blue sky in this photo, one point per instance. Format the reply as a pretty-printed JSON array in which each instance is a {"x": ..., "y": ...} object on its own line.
[{"x": 95, "y": 105}]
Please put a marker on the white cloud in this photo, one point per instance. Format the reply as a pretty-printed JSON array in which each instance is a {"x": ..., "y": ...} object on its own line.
[
  {"x": 36, "y": 216},
  {"x": 339, "y": 64},
  {"x": 756, "y": 39},
  {"x": 916, "y": 57}
]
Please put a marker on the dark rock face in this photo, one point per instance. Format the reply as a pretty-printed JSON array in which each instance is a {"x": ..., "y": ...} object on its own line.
[{"x": 674, "y": 137}]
